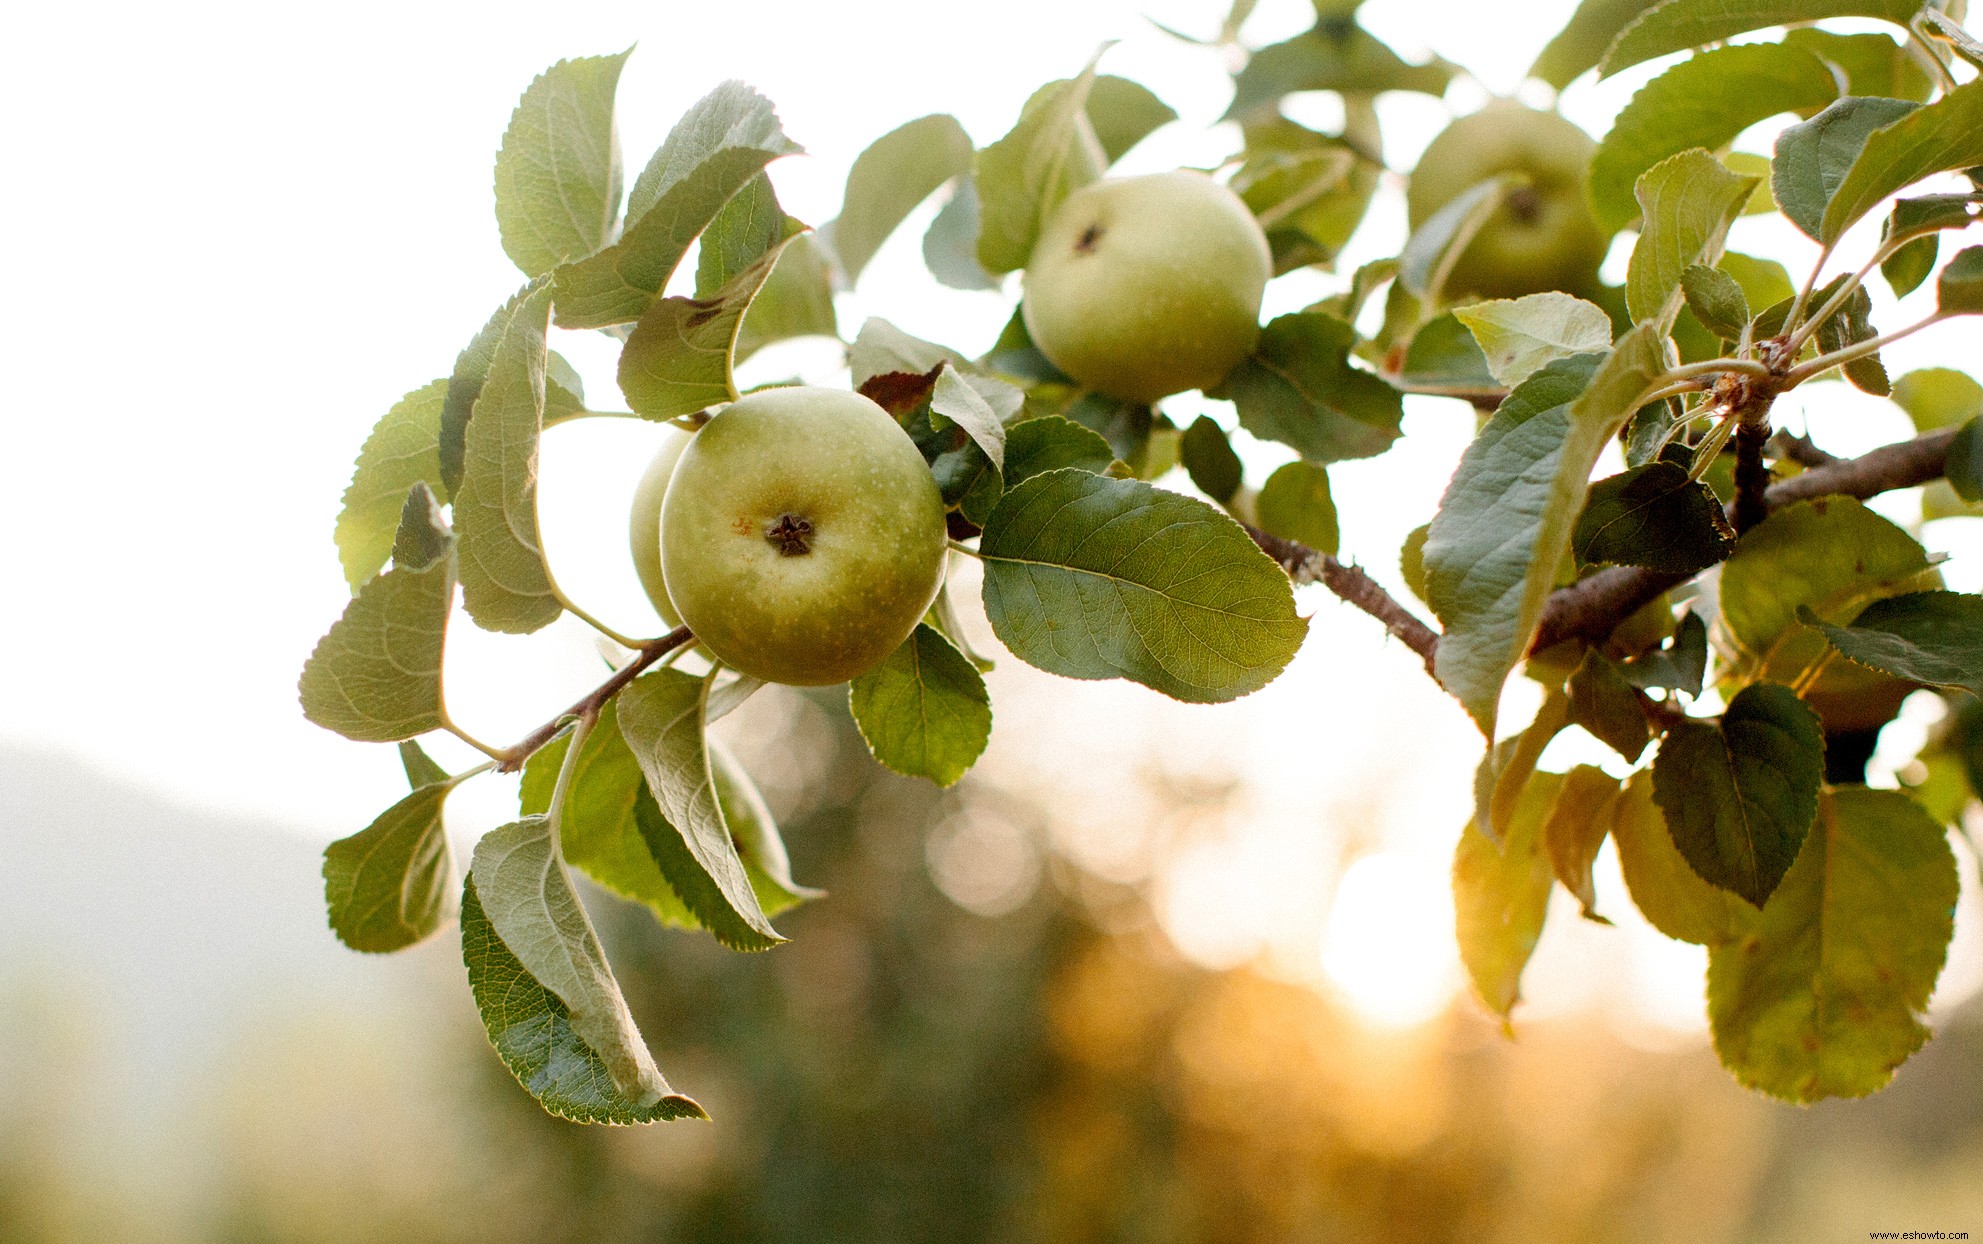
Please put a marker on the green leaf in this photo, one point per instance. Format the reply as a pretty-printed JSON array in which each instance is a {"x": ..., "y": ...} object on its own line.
[
  {"x": 748, "y": 227},
  {"x": 1813, "y": 157},
  {"x": 1959, "y": 289},
  {"x": 1701, "y": 102},
  {"x": 527, "y": 897},
  {"x": 558, "y": 175},
  {"x": 896, "y": 172},
  {"x": 882, "y": 348},
  {"x": 661, "y": 716},
  {"x": 1716, "y": 299},
  {"x": 1832, "y": 555},
  {"x": 1052, "y": 152},
  {"x": 759, "y": 844},
  {"x": 1677, "y": 25},
  {"x": 1927, "y": 637},
  {"x": 1873, "y": 63},
  {"x": 1334, "y": 56},
  {"x": 1687, "y": 202},
  {"x": 1091, "y": 577},
  {"x": 1605, "y": 703},
  {"x": 1580, "y": 45},
  {"x": 1208, "y": 457},
  {"x": 1504, "y": 523},
  {"x": 391, "y": 884},
  {"x": 1579, "y": 821},
  {"x": 1443, "y": 356},
  {"x": 1653, "y": 516},
  {"x": 1501, "y": 895},
  {"x": 1848, "y": 326},
  {"x": 723, "y": 141},
  {"x": 1436, "y": 245},
  {"x": 924, "y": 711},
  {"x": 1294, "y": 504},
  {"x": 1507, "y": 768},
  {"x": 535, "y": 1035},
  {"x": 1823, "y": 996},
  {"x": 504, "y": 582},
  {"x": 680, "y": 357},
  {"x": 402, "y": 450},
  {"x": 1411, "y": 560},
  {"x": 1963, "y": 466},
  {"x": 1049, "y": 443},
  {"x": 955, "y": 400},
  {"x": 950, "y": 247},
  {"x": 1935, "y": 138},
  {"x": 471, "y": 371},
  {"x": 1663, "y": 886},
  {"x": 1910, "y": 264},
  {"x": 796, "y": 300},
  {"x": 1124, "y": 113},
  {"x": 1308, "y": 190},
  {"x": 420, "y": 768},
  {"x": 1938, "y": 397},
  {"x": 1738, "y": 798},
  {"x": 1519, "y": 336},
  {"x": 599, "y": 832},
  {"x": 376, "y": 675},
  {"x": 1299, "y": 388}
]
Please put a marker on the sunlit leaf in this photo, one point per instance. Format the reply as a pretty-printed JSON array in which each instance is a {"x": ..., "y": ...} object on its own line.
[
  {"x": 723, "y": 141},
  {"x": 1716, "y": 299},
  {"x": 1520, "y": 336},
  {"x": 950, "y": 247},
  {"x": 748, "y": 227},
  {"x": 558, "y": 177},
  {"x": 1959, "y": 288},
  {"x": 924, "y": 711},
  {"x": 1581, "y": 44},
  {"x": 680, "y": 357},
  {"x": 954, "y": 399},
  {"x": 376, "y": 675},
  {"x": 1052, "y": 152},
  {"x": 1676, "y": 25},
  {"x": 1444, "y": 236},
  {"x": 1935, "y": 138},
  {"x": 1823, "y": 996},
  {"x": 1501, "y": 895},
  {"x": 896, "y": 172},
  {"x": 1124, "y": 113},
  {"x": 1739, "y": 797},
  {"x": 1873, "y": 63},
  {"x": 1295, "y": 504},
  {"x": 796, "y": 300},
  {"x": 599, "y": 831},
  {"x": 1663, "y": 886},
  {"x": 662, "y": 718},
  {"x": 402, "y": 450},
  {"x": 539, "y": 1041},
  {"x": 1926, "y": 637},
  {"x": 1938, "y": 397},
  {"x": 1687, "y": 203},
  {"x": 1298, "y": 387},
  {"x": 420, "y": 767},
  {"x": 391, "y": 884},
  {"x": 1701, "y": 102},
  {"x": 1334, "y": 56},
  {"x": 1091, "y": 577},
  {"x": 1048, "y": 443},
  {"x": 1504, "y": 523},
  {"x": 504, "y": 582},
  {"x": 1578, "y": 823}
]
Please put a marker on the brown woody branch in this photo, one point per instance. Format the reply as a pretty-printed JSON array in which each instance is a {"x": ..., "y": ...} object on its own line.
[
  {"x": 1592, "y": 608},
  {"x": 510, "y": 759},
  {"x": 1306, "y": 565}
]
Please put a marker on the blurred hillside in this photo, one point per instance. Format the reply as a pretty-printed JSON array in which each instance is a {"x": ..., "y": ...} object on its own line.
[{"x": 186, "y": 1054}]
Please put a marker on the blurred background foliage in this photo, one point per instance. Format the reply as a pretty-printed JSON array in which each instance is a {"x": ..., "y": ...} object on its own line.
[{"x": 971, "y": 1039}]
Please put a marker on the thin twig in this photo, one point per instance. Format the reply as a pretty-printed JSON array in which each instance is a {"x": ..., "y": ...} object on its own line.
[
  {"x": 510, "y": 759},
  {"x": 1307, "y": 565},
  {"x": 1838, "y": 358},
  {"x": 1752, "y": 477}
]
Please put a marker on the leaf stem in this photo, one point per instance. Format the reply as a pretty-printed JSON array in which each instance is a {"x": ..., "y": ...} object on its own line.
[
  {"x": 1793, "y": 320},
  {"x": 510, "y": 759},
  {"x": 447, "y": 724},
  {"x": 958, "y": 546},
  {"x": 1714, "y": 367},
  {"x": 1837, "y": 358},
  {"x": 567, "y": 773}
]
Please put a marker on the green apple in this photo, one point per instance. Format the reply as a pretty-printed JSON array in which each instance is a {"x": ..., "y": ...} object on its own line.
[
  {"x": 644, "y": 523},
  {"x": 1543, "y": 236},
  {"x": 1140, "y": 287},
  {"x": 802, "y": 536}
]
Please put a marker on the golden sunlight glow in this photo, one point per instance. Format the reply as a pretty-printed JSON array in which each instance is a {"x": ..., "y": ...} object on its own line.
[{"x": 1388, "y": 948}]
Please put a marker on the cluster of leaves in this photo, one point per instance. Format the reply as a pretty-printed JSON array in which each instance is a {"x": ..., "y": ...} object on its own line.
[{"x": 1826, "y": 907}]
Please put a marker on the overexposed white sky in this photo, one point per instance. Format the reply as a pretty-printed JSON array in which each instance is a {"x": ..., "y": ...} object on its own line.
[{"x": 238, "y": 233}]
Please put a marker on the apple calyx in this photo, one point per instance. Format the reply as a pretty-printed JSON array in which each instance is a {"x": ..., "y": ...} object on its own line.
[{"x": 790, "y": 535}]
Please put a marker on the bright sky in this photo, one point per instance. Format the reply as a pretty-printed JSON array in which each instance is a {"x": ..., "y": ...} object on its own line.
[{"x": 242, "y": 232}]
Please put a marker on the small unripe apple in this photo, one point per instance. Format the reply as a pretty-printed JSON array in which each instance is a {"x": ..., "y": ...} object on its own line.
[
  {"x": 644, "y": 523},
  {"x": 1141, "y": 287},
  {"x": 1543, "y": 236},
  {"x": 802, "y": 536}
]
